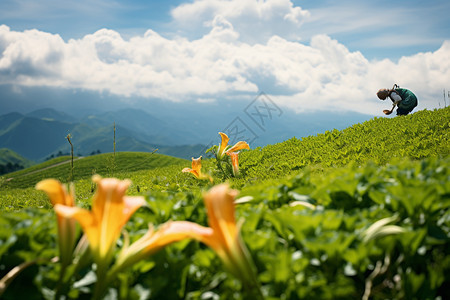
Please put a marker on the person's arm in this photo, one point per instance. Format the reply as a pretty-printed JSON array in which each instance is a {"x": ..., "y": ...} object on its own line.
[
  {"x": 395, "y": 97},
  {"x": 388, "y": 112}
]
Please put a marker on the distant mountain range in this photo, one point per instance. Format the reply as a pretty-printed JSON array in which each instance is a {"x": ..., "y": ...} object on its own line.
[{"x": 43, "y": 132}]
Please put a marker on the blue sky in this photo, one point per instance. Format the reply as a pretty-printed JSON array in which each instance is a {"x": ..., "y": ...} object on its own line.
[
  {"x": 379, "y": 29},
  {"x": 323, "y": 53}
]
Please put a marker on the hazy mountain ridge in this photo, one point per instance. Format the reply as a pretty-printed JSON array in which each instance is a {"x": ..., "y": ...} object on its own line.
[
  {"x": 32, "y": 137},
  {"x": 52, "y": 115},
  {"x": 41, "y": 133},
  {"x": 144, "y": 126}
]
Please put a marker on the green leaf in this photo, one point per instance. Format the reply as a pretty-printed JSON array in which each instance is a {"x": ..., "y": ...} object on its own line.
[{"x": 381, "y": 228}]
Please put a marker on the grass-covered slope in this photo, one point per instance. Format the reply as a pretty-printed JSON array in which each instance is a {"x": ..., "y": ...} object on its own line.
[
  {"x": 361, "y": 213},
  {"x": 84, "y": 167},
  {"x": 422, "y": 134},
  {"x": 9, "y": 156}
]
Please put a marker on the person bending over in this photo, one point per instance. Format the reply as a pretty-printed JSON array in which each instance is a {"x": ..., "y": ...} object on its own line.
[{"x": 404, "y": 99}]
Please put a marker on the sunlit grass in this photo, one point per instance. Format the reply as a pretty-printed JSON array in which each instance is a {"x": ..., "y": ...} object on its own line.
[
  {"x": 308, "y": 204},
  {"x": 85, "y": 167}
]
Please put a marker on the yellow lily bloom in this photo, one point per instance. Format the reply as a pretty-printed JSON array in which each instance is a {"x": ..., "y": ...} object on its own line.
[
  {"x": 196, "y": 169},
  {"x": 223, "y": 145},
  {"x": 153, "y": 241},
  {"x": 224, "y": 148},
  {"x": 225, "y": 238},
  {"x": 111, "y": 209},
  {"x": 238, "y": 146},
  {"x": 66, "y": 227},
  {"x": 234, "y": 162},
  {"x": 222, "y": 236},
  {"x": 219, "y": 203}
]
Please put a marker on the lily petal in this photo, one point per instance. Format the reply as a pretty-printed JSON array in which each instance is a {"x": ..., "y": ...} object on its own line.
[
  {"x": 66, "y": 226},
  {"x": 56, "y": 192},
  {"x": 239, "y": 146},
  {"x": 223, "y": 145},
  {"x": 226, "y": 239},
  {"x": 197, "y": 164},
  {"x": 193, "y": 172},
  {"x": 234, "y": 162},
  {"x": 170, "y": 232},
  {"x": 219, "y": 203},
  {"x": 85, "y": 218},
  {"x": 153, "y": 241}
]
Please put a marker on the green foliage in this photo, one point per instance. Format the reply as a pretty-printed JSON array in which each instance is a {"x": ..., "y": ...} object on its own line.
[
  {"x": 300, "y": 253},
  {"x": 359, "y": 213},
  {"x": 422, "y": 134}
]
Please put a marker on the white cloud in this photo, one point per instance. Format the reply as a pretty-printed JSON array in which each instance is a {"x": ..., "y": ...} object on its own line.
[
  {"x": 372, "y": 26},
  {"x": 324, "y": 75},
  {"x": 255, "y": 21}
]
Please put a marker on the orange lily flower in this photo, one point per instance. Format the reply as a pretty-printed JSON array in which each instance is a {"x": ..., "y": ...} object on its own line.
[
  {"x": 238, "y": 146},
  {"x": 223, "y": 145},
  {"x": 196, "y": 169},
  {"x": 153, "y": 241},
  {"x": 222, "y": 236},
  {"x": 111, "y": 209},
  {"x": 234, "y": 162},
  {"x": 225, "y": 238},
  {"x": 66, "y": 227},
  {"x": 224, "y": 148},
  {"x": 219, "y": 203}
]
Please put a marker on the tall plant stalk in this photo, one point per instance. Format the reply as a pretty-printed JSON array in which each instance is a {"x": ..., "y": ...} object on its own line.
[
  {"x": 113, "y": 167},
  {"x": 71, "y": 154}
]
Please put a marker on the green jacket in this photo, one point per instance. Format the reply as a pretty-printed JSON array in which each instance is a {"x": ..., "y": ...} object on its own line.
[{"x": 409, "y": 100}]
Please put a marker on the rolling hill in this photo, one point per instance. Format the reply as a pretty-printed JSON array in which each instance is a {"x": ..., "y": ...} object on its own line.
[
  {"x": 419, "y": 135},
  {"x": 11, "y": 161},
  {"x": 9, "y": 156},
  {"x": 41, "y": 133},
  {"x": 106, "y": 164}
]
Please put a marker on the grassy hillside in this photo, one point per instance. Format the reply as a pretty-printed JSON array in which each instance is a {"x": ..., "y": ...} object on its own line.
[
  {"x": 10, "y": 161},
  {"x": 422, "y": 134},
  {"x": 361, "y": 213},
  {"x": 106, "y": 165},
  {"x": 9, "y": 156}
]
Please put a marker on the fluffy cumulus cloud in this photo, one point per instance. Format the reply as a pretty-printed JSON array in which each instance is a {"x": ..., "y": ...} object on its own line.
[
  {"x": 256, "y": 21},
  {"x": 321, "y": 75}
]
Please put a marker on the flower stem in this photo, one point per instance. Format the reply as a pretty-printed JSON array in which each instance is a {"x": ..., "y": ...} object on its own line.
[{"x": 219, "y": 165}]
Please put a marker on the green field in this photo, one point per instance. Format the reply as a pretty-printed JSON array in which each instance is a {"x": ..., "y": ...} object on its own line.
[
  {"x": 107, "y": 165},
  {"x": 309, "y": 219}
]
